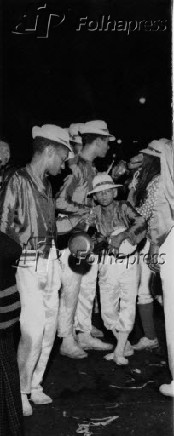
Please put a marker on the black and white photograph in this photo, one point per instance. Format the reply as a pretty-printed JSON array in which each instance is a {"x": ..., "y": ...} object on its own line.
[{"x": 86, "y": 218}]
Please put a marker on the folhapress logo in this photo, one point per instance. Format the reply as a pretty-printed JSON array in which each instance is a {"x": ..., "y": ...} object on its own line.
[{"x": 39, "y": 21}]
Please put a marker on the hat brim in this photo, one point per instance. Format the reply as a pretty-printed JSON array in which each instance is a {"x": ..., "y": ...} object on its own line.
[
  {"x": 98, "y": 132},
  {"x": 150, "y": 152},
  {"x": 103, "y": 188},
  {"x": 76, "y": 141},
  {"x": 112, "y": 138}
]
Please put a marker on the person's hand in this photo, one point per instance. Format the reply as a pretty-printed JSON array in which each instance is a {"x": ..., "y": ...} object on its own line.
[
  {"x": 100, "y": 243},
  {"x": 80, "y": 192},
  {"x": 153, "y": 255},
  {"x": 76, "y": 171},
  {"x": 119, "y": 170},
  {"x": 135, "y": 162},
  {"x": 84, "y": 212},
  {"x": 90, "y": 218},
  {"x": 115, "y": 241}
]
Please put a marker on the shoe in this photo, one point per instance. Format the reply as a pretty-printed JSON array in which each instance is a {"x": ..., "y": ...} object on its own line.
[
  {"x": 109, "y": 356},
  {"x": 73, "y": 351},
  {"x": 26, "y": 406},
  {"x": 120, "y": 360},
  {"x": 144, "y": 343},
  {"x": 128, "y": 351},
  {"x": 167, "y": 389},
  {"x": 96, "y": 333},
  {"x": 87, "y": 342},
  {"x": 38, "y": 397}
]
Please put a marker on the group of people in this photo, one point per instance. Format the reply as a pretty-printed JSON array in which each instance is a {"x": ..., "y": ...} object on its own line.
[{"x": 54, "y": 292}]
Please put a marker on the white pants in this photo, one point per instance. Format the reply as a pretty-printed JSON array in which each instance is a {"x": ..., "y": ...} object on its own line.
[
  {"x": 87, "y": 293},
  {"x": 167, "y": 277},
  {"x": 74, "y": 277},
  {"x": 144, "y": 277},
  {"x": 38, "y": 286},
  {"x": 118, "y": 289}
]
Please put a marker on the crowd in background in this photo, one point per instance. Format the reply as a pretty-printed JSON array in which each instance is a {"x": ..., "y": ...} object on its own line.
[{"x": 56, "y": 251}]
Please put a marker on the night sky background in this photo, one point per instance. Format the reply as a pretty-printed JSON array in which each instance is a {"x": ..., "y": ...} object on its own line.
[{"x": 78, "y": 76}]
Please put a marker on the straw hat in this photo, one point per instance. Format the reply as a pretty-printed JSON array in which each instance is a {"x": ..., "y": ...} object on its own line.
[
  {"x": 96, "y": 127},
  {"x": 153, "y": 149},
  {"x": 52, "y": 132},
  {"x": 101, "y": 182}
]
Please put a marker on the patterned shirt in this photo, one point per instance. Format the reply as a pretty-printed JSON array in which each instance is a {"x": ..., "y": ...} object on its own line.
[
  {"x": 73, "y": 194},
  {"x": 122, "y": 215},
  {"x": 148, "y": 207},
  {"x": 72, "y": 198}
]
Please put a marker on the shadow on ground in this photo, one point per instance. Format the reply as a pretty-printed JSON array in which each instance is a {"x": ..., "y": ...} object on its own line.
[{"x": 96, "y": 397}]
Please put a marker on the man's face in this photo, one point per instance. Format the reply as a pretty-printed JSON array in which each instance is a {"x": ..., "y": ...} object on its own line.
[
  {"x": 104, "y": 198},
  {"x": 57, "y": 160},
  {"x": 103, "y": 145},
  {"x": 4, "y": 153},
  {"x": 77, "y": 148}
]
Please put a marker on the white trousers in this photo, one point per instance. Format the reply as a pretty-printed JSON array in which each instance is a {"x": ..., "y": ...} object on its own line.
[
  {"x": 118, "y": 290},
  {"x": 75, "y": 275},
  {"x": 144, "y": 277},
  {"x": 167, "y": 277},
  {"x": 38, "y": 286}
]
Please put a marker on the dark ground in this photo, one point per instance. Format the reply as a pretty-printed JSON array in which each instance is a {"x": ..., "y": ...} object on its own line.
[{"x": 96, "y": 397}]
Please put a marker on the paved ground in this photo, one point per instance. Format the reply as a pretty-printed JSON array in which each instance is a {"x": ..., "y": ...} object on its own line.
[{"x": 96, "y": 397}]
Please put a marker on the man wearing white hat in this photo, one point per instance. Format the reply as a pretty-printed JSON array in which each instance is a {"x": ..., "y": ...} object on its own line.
[
  {"x": 28, "y": 216},
  {"x": 73, "y": 198},
  {"x": 77, "y": 146}
]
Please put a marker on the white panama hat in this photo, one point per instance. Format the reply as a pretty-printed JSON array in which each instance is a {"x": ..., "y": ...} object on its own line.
[
  {"x": 153, "y": 149},
  {"x": 97, "y": 127},
  {"x": 101, "y": 182},
  {"x": 52, "y": 132}
]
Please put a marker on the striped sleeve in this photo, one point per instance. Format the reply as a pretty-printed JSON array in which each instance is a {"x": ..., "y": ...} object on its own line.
[{"x": 9, "y": 307}]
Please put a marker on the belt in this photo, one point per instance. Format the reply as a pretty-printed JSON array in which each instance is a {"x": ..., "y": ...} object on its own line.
[{"x": 34, "y": 255}]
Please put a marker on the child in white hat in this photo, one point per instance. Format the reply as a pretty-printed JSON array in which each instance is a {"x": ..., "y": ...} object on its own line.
[{"x": 121, "y": 228}]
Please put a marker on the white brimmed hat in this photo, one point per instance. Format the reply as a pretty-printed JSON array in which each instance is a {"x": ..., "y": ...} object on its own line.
[
  {"x": 52, "y": 132},
  {"x": 101, "y": 182},
  {"x": 74, "y": 129},
  {"x": 153, "y": 149},
  {"x": 96, "y": 127}
]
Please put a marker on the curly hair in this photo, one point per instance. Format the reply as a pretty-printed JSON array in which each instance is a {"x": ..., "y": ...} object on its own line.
[{"x": 150, "y": 168}]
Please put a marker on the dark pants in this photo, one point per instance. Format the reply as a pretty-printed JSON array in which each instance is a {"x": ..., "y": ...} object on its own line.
[{"x": 11, "y": 417}]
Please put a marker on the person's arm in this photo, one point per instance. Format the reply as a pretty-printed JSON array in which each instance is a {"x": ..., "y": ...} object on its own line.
[
  {"x": 9, "y": 198},
  {"x": 136, "y": 226},
  {"x": 160, "y": 221},
  {"x": 72, "y": 187}
]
